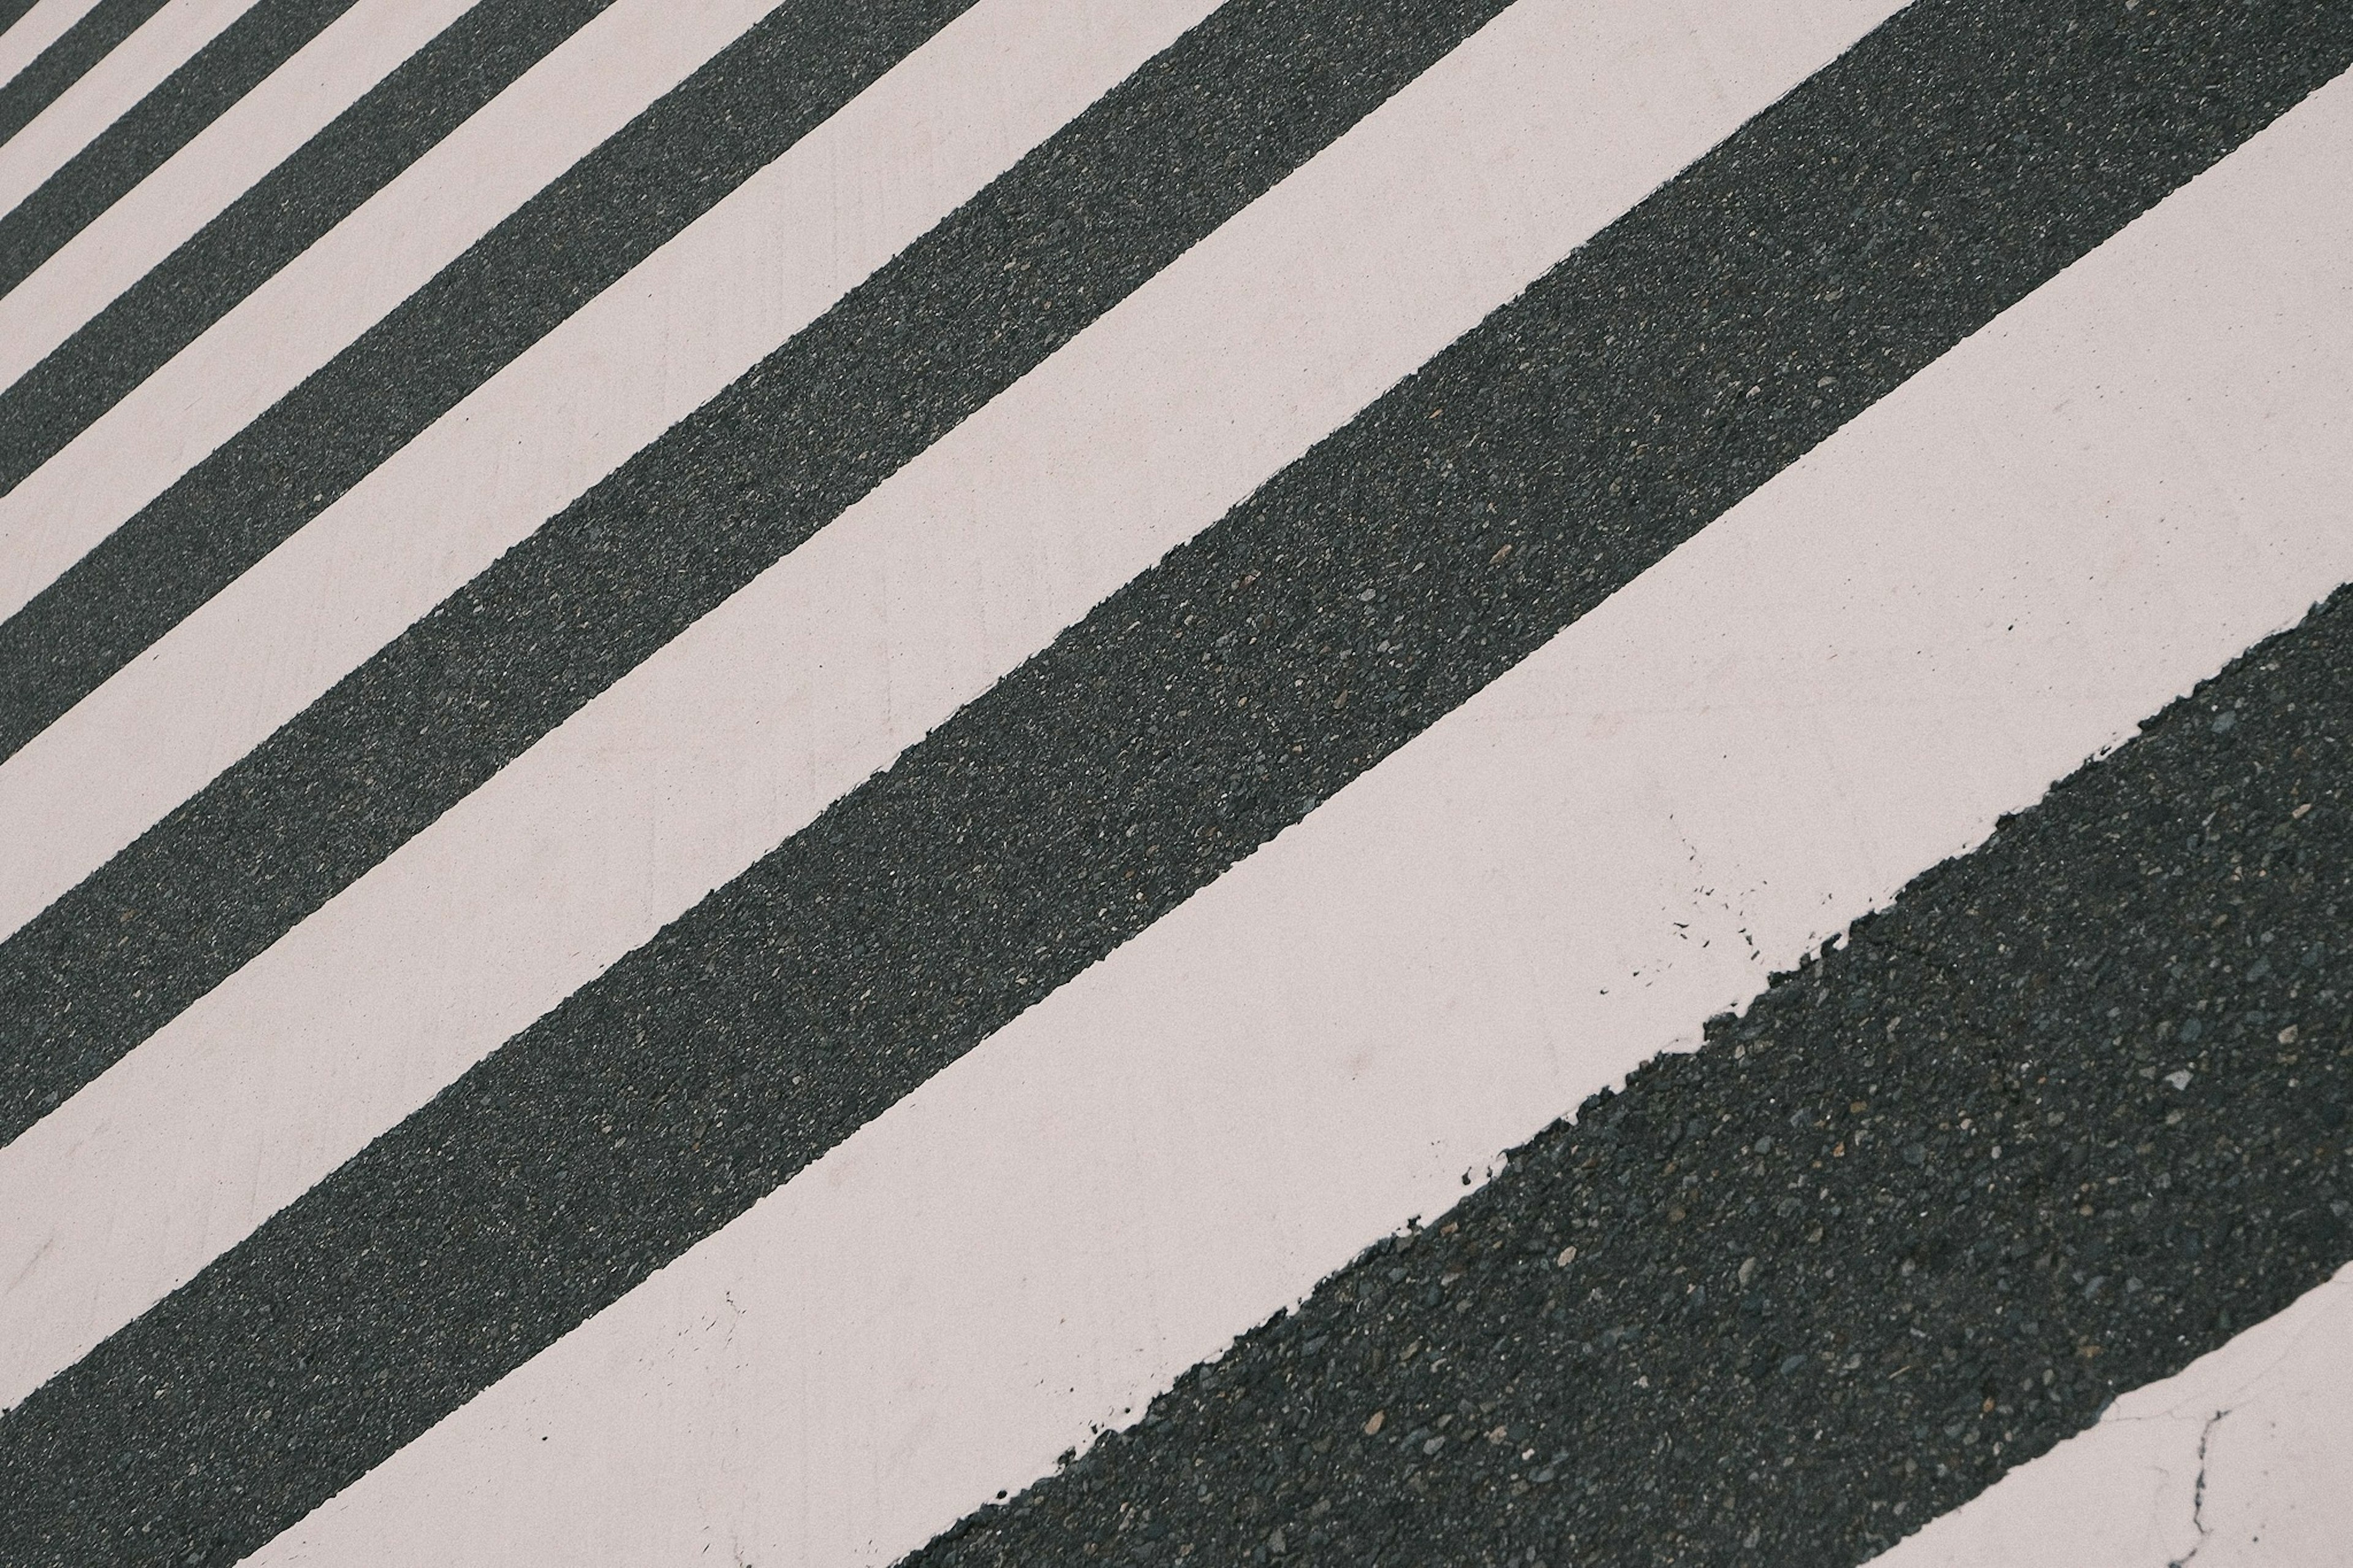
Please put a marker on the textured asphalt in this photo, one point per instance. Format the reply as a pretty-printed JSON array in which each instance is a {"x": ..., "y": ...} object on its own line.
[
  {"x": 391, "y": 126},
  {"x": 66, "y": 60},
  {"x": 205, "y": 86},
  {"x": 609, "y": 211},
  {"x": 1937, "y": 173},
  {"x": 2061, "y": 1119},
  {"x": 1149, "y": 170}
]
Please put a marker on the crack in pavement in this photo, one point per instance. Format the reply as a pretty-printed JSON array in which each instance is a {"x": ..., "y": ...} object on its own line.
[{"x": 2198, "y": 1494}]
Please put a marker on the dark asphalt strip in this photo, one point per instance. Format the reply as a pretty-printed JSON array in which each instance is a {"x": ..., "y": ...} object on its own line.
[
  {"x": 396, "y": 123},
  {"x": 1910, "y": 1223},
  {"x": 1601, "y": 418},
  {"x": 63, "y": 63},
  {"x": 152, "y": 129},
  {"x": 557, "y": 251},
  {"x": 1201, "y": 130}
]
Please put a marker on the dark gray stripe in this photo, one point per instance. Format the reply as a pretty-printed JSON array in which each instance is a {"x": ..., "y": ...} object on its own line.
[
  {"x": 154, "y": 128},
  {"x": 1601, "y": 418},
  {"x": 396, "y": 123},
  {"x": 62, "y": 64},
  {"x": 556, "y": 253},
  {"x": 1803, "y": 1240},
  {"x": 1082, "y": 221}
]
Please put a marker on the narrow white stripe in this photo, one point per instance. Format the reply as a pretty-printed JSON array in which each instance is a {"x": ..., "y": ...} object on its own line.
[
  {"x": 2000, "y": 569},
  {"x": 322, "y": 78},
  {"x": 1439, "y": 206},
  {"x": 692, "y": 318},
  {"x": 163, "y": 44},
  {"x": 2240, "y": 1459},
  {"x": 36, "y": 30},
  {"x": 586, "y": 89}
]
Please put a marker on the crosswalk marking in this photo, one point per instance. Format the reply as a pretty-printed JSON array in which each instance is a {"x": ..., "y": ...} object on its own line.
[
  {"x": 36, "y": 29},
  {"x": 690, "y": 320},
  {"x": 735, "y": 737},
  {"x": 1729, "y": 760},
  {"x": 786, "y": 653},
  {"x": 140, "y": 63},
  {"x": 582, "y": 93},
  {"x": 351, "y": 55},
  {"x": 648, "y": 549}
]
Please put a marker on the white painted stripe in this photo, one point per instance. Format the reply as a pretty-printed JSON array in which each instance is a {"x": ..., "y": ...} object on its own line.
[
  {"x": 2000, "y": 569},
  {"x": 2240, "y": 1459},
  {"x": 1438, "y": 207},
  {"x": 137, "y": 66},
  {"x": 697, "y": 314},
  {"x": 36, "y": 30},
  {"x": 582, "y": 91},
  {"x": 218, "y": 165}
]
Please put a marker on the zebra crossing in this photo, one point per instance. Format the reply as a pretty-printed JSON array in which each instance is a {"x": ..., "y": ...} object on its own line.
[{"x": 822, "y": 736}]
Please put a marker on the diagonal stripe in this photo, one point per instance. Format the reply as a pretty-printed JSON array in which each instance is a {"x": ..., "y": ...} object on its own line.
[
  {"x": 87, "y": 363},
  {"x": 64, "y": 59},
  {"x": 589, "y": 88},
  {"x": 2238, "y": 1457},
  {"x": 1286, "y": 322},
  {"x": 658, "y": 1103},
  {"x": 756, "y": 269},
  {"x": 1183, "y": 1139},
  {"x": 322, "y": 79},
  {"x": 166, "y": 81},
  {"x": 534, "y": 268},
  {"x": 1910, "y": 1222},
  {"x": 902, "y": 360},
  {"x": 31, "y": 26}
]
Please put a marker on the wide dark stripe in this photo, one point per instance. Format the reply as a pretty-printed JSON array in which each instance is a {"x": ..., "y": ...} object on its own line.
[
  {"x": 62, "y": 64},
  {"x": 154, "y": 128},
  {"x": 396, "y": 123},
  {"x": 1801, "y": 1239},
  {"x": 1237, "y": 103},
  {"x": 1591, "y": 425},
  {"x": 673, "y": 163}
]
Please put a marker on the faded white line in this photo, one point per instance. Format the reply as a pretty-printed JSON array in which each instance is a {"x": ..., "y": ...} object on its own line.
[
  {"x": 2000, "y": 569},
  {"x": 692, "y": 318},
  {"x": 1438, "y": 207},
  {"x": 2238, "y": 1460},
  {"x": 320, "y": 80},
  {"x": 36, "y": 30},
  {"x": 138, "y": 65},
  {"x": 588, "y": 88}
]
